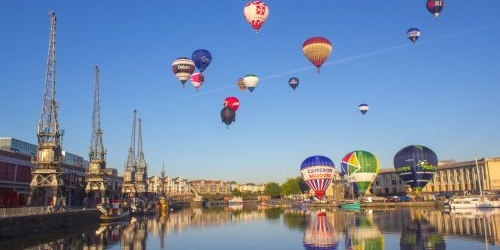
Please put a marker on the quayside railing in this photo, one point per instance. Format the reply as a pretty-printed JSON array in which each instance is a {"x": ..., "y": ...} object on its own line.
[{"x": 23, "y": 211}]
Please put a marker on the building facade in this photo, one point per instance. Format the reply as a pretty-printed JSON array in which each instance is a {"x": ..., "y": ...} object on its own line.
[
  {"x": 211, "y": 187},
  {"x": 450, "y": 178},
  {"x": 16, "y": 167}
]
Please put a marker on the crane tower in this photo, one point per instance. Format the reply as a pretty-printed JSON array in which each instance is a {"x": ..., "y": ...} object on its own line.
[
  {"x": 46, "y": 179},
  {"x": 97, "y": 156},
  {"x": 128, "y": 188},
  {"x": 141, "y": 173}
]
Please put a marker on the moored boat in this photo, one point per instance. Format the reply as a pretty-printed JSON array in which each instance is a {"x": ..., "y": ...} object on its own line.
[
  {"x": 115, "y": 213},
  {"x": 350, "y": 205},
  {"x": 237, "y": 200},
  {"x": 464, "y": 202}
]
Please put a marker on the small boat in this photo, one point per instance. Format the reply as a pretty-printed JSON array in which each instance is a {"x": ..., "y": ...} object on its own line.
[
  {"x": 237, "y": 200},
  {"x": 115, "y": 213},
  {"x": 471, "y": 202},
  {"x": 350, "y": 205}
]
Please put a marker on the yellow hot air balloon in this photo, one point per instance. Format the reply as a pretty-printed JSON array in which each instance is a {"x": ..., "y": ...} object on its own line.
[
  {"x": 241, "y": 84},
  {"x": 317, "y": 49}
]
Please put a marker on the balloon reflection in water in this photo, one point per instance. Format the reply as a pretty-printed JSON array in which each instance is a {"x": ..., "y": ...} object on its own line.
[
  {"x": 320, "y": 234},
  {"x": 364, "y": 234},
  {"x": 419, "y": 234}
]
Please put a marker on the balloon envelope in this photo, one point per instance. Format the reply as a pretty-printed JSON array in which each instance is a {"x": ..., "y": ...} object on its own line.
[
  {"x": 197, "y": 80},
  {"x": 413, "y": 34},
  {"x": 241, "y": 84},
  {"x": 317, "y": 172},
  {"x": 232, "y": 102},
  {"x": 201, "y": 59},
  {"x": 183, "y": 67},
  {"x": 228, "y": 115},
  {"x": 361, "y": 167},
  {"x": 251, "y": 81},
  {"x": 293, "y": 82},
  {"x": 435, "y": 7},
  {"x": 317, "y": 50},
  {"x": 256, "y": 13},
  {"x": 416, "y": 165},
  {"x": 363, "y": 108}
]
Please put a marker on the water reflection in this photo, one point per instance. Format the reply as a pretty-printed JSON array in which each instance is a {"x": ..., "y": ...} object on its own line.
[
  {"x": 320, "y": 234},
  {"x": 362, "y": 232},
  {"x": 418, "y": 233},
  {"x": 330, "y": 229}
]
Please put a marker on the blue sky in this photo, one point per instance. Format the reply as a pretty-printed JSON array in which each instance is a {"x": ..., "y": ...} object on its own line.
[{"x": 443, "y": 92}]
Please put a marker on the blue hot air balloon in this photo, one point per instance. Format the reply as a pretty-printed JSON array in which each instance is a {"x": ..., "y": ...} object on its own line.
[
  {"x": 363, "y": 108},
  {"x": 416, "y": 165},
  {"x": 317, "y": 172},
  {"x": 413, "y": 34},
  {"x": 201, "y": 58},
  {"x": 293, "y": 82}
]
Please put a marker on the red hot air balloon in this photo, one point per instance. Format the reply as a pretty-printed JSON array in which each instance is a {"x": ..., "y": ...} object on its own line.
[
  {"x": 232, "y": 102},
  {"x": 317, "y": 49},
  {"x": 197, "y": 80},
  {"x": 435, "y": 7},
  {"x": 256, "y": 13}
]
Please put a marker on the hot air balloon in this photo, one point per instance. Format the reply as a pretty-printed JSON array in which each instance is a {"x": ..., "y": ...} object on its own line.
[
  {"x": 197, "y": 80},
  {"x": 256, "y": 13},
  {"x": 361, "y": 167},
  {"x": 241, "y": 84},
  {"x": 317, "y": 172},
  {"x": 293, "y": 82},
  {"x": 413, "y": 34},
  {"x": 416, "y": 165},
  {"x": 232, "y": 102},
  {"x": 363, "y": 108},
  {"x": 320, "y": 234},
  {"x": 183, "y": 67},
  {"x": 317, "y": 50},
  {"x": 251, "y": 81},
  {"x": 435, "y": 7},
  {"x": 201, "y": 58},
  {"x": 228, "y": 116}
]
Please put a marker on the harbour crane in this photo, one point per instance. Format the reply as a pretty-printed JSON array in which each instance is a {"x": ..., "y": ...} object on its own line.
[{"x": 47, "y": 174}]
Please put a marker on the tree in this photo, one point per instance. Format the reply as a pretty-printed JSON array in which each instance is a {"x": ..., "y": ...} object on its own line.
[
  {"x": 273, "y": 189},
  {"x": 291, "y": 187}
]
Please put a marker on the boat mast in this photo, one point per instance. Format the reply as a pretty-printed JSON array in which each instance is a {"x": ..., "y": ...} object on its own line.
[{"x": 479, "y": 179}]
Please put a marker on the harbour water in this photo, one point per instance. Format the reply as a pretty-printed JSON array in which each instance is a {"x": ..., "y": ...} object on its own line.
[{"x": 254, "y": 227}]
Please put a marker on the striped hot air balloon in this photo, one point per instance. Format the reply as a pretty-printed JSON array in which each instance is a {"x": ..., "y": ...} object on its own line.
[
  {"x": 183, "y": 67},
  {"x": 256, "y": 13},
  {"x": 241, "y": 84},
  {"x": 317, "y": 172},
  {"x": 361, "y": 168},
  {"x": 363, "y": 108},
  {"x": 317, "y": 49},
  {"x": 416, "y": 165}
]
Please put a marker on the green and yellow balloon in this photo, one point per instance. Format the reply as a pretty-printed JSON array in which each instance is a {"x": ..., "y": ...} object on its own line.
[{"x": 361, "y": 167}]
